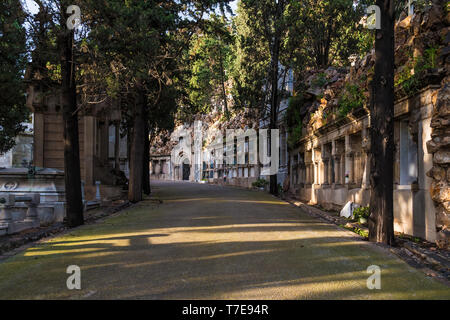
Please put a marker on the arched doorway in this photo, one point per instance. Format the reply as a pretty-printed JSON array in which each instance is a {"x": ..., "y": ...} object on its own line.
[{"x": 186, "y": 170}]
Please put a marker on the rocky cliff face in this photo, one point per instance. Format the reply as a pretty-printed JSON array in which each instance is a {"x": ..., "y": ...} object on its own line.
[
  {"x": 422, "y": 58},
  {"x": 439, "y": 145},
  {"x": 437, "y": 22},
  {"x": 421, "y": 50}
]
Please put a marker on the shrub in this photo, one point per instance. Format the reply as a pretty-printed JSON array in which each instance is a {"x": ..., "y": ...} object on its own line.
[
  {"x": 294, "y": 120},
  {"x": 412, "y": 83},
  {"x": 260, "y": 183},
  {"x": 295, "y": 134},
  {"x": 352, "y": 97},
  {"x": 361, "y": 212}
]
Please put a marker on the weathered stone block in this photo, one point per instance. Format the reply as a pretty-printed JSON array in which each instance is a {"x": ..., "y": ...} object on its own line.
[
  {"x": 432, "y": 146},
  {"x": 405, "y": 23},
  {"x": 440, "y": 192},
  {"x": 443, "y": 101},
  {"x": 7, "y": 199},
  {"x": 446, "y": 206},
  {"x": 442, "y": 217},
  {"x": 443, "y": 239},
  {"x": 437, "y": 173},
  {"x": 438, "y": 123},
  {"x": 434, "y": 18},
  {"x": 442, "y": 157}
]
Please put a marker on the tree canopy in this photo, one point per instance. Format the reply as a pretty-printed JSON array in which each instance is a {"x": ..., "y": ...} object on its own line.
[{"x": 13, "y": 49}]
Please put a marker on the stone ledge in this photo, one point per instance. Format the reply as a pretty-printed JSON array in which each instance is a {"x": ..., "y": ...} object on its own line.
[
  {"x": 335, "y": 219},
  {"x": 440, "y": 259}
]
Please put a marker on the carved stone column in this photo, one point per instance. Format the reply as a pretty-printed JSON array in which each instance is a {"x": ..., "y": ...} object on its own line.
[
  {"x": 38, "y": 137},
  {"x": 348, "y": 161},
  {"x": 89, "y": 148},
  {"x": 337, "y": 168},
  {"x": 325, "y": 166},
  {"x": 7, "y": 201},
  {"x": 365, "y": 184},
  {"x": 349, "y": 170}
]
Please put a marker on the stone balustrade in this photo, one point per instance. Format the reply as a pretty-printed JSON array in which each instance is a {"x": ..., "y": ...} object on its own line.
[
  {"x": 8, "y": 203},
  {"x": 19, "y": 212}
]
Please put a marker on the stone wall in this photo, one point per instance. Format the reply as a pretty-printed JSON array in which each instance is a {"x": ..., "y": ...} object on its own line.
[{"x": 439, "y": 146}]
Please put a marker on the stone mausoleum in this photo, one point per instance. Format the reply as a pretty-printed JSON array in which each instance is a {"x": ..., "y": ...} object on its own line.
[
  {"x": 103, "y": 151},
  {"x": 103, "y": 161}
]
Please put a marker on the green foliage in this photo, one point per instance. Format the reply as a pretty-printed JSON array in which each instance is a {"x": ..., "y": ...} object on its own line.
[
  {"x": 361, "y": 212},
  {"x": 143, "y": 47},
  {"x": 54, "y": 72},
  {"x": 363, "y": 41},
  {"x": 211, "y": 59},
  {"x": 352, "y": 97},
  {"x": 331, "y": 32},
  {"x": 295, "y": 134},
  {"x": 13, "y": 110},
  {"x": 312, "y": 34},
  {"x": 252, "y": 51},
  {"x": 409, "y": 81},
  {"x": 326, "y": 113},
  {"x": 293, "y": 120},
  {"x": 430, "y": 58},
  {"x": 320, "y": 81},
  {"x": 361, "y": 232},
  {"x": 260, "y": 183}
]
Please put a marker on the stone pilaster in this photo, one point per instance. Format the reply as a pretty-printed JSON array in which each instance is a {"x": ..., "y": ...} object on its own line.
[
  {"x": 89, "y": 149},
  {"x": 38, "y": 144},
  {"x": 365, "y": 184}
]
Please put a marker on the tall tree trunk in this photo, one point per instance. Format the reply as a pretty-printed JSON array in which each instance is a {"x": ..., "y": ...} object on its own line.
[
  {"x": 274, "y": 91},
  {"x": 381, "y": 220},
  {"x": 224, "y": 92},
  {"x": 74, "y": 205},
  {"x": 137, "y": 148},
  {"x": 146, "y": 155}
]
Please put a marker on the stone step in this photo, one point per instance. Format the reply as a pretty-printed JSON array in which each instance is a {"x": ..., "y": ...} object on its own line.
[
  {"x": 19, "y": 226},
  {"x": 3, "y": 230},
  {"x": 92, "y": 205}
]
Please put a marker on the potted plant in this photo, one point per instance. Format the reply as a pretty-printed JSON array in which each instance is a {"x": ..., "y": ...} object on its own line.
[{"x": 361, "y": 214}]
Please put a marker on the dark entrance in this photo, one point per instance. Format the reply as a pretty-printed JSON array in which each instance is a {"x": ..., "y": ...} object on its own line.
[{"x": 186, "y": 171}]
